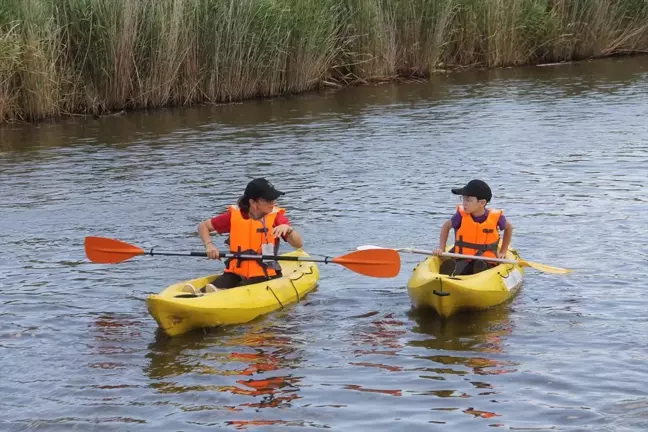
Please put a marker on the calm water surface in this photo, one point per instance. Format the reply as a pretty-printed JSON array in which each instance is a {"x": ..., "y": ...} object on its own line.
[{"x": 565, "y": 149}]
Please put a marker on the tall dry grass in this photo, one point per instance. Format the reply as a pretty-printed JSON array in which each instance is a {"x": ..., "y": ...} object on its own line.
[{"x": 96, "y": 56}]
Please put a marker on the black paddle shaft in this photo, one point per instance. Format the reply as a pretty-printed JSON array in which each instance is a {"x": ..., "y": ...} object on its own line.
[{"x": 324, "y": 260}]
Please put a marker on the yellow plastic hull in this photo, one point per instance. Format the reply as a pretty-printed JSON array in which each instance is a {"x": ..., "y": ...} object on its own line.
[
  {"x": 177, "y": 313},
  {"x": 448, "y": 295}
]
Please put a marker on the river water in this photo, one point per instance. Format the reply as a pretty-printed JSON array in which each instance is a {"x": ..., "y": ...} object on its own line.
[{"x": 564, "y": 148}]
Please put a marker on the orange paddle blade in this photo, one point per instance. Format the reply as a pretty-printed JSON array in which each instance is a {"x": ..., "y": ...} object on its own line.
[
  {"x": 380, "y": 263},
  {"x": 109, "y": 251}
]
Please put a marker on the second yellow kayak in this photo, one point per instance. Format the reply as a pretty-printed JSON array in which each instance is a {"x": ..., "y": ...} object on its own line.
[
  {"x": 177, "y": 312},
  {"x": 447, "y": 295}
]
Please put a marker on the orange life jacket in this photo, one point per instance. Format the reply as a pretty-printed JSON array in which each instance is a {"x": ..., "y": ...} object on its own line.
[
  {"x": 247, "y": 237},
  {"x": 473, "y": 238}
]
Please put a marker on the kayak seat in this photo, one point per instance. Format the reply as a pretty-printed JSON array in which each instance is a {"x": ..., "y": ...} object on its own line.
[
  {"x": 447, "y": 266},
  {"x": 209, "y": 288},
  {"x": 189, "y": 289}
]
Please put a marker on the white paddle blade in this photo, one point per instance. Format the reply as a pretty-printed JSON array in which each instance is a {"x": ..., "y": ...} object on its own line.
[
  {"x": 366, "y": 247},
  {"x": 408, "y": 250}
]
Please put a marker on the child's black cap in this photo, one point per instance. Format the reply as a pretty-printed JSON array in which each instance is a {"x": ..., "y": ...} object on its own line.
[{"x": 477, "y": 188}]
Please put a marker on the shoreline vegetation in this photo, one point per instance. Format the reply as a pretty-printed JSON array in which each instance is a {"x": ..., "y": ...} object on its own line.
[{"x": 95, "y": 57}]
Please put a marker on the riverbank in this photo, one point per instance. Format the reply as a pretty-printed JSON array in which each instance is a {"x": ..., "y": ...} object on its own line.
[{"x": 94, "y": 57}]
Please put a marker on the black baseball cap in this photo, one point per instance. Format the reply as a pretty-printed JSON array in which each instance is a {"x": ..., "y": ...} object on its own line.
[
  {"x": 475, "y": 188},
  {"x": 262, "y": 188}
]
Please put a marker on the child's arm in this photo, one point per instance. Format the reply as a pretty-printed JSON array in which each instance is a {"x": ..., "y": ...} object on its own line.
[
  {"x": 443, "y": 237},
  {"x": 506, "y": 241}
]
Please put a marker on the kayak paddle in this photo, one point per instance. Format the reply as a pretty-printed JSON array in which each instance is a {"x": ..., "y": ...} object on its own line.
[
  {"x": 379, "y": 263},
  {"x": 524, "y": 263}
]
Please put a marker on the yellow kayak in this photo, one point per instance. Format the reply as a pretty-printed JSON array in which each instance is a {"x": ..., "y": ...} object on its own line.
[
  {"x": 177, "y": 312},
  {"x": 449, "y": 294}
]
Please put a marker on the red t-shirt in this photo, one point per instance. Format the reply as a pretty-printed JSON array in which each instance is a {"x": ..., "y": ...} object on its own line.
[{"x": 222, "y": 222}]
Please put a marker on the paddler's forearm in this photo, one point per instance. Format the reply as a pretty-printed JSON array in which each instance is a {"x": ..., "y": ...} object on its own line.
[
  {"x": 506, "y": 241},
  {"x": 203, "y": 232},
  {"x": 294, "y": 239},
  {"x": 443, "y": 237}
]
